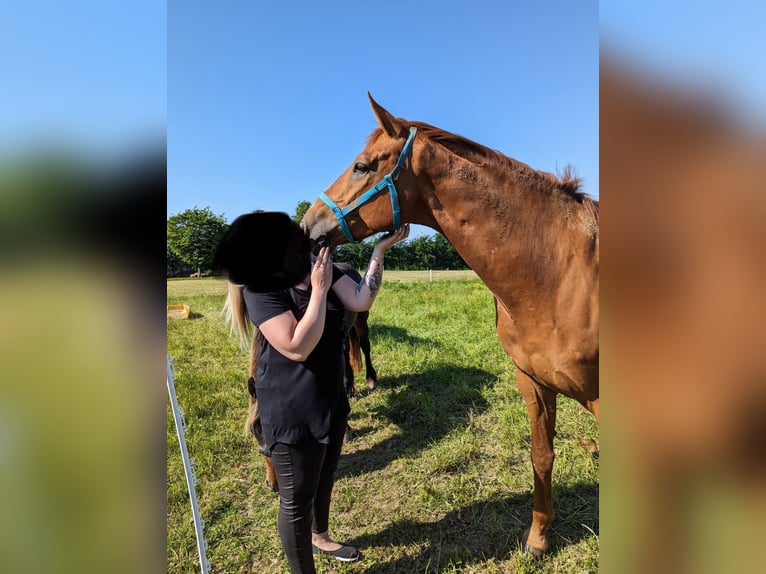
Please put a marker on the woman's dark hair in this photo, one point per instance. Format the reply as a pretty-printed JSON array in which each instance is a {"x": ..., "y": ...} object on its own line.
[{"x": 265, "y": 251}]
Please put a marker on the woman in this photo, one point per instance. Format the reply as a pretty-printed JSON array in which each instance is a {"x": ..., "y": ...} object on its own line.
[{"x": 301, "y": 398}]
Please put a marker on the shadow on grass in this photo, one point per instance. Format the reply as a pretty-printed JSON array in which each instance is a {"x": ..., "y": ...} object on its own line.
[
  {"x": 484, "y": 531},
  {"x": 380, "y": 331},
  {"x": 425, "y": 406}
]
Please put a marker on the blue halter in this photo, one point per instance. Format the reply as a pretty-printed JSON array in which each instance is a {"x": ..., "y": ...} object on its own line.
[{"x": 386, "y": 182}]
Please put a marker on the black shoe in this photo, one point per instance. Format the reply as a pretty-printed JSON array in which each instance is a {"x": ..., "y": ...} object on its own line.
[{"x": 346, "y": 553}]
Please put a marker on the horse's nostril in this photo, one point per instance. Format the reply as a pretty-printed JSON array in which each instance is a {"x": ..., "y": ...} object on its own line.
[{"x": 318, "y": 243}]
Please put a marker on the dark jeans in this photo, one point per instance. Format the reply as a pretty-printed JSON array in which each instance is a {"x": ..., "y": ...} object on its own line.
[{"x": 305, "y": 474}]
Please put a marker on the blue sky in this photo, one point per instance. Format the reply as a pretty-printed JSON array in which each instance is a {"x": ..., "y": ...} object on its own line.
[
  {"x": 267, "y": 102},
  {"x": 87, "y": 75},
  {"x": 713, "y": 46}
]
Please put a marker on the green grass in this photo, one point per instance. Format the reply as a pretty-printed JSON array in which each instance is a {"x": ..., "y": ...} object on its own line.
[{"x": 438, "y": 477}]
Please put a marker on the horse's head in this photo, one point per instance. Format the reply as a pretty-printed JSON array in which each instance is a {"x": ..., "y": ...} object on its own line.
[{"x": 372, "y": 194}]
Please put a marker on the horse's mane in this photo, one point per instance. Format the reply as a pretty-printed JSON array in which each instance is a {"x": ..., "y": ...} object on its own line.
[{"x": 568, "y": 183}]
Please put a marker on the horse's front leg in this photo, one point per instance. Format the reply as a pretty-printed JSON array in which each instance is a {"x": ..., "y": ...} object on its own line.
[{"x": 541, "y": 405}]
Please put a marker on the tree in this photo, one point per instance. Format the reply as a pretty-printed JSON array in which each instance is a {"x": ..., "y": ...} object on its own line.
[
  {"x": 397, "y": 256},
  {"x": 446, "y": 255},
  {"x": 174, "y": 263},
  {"x": 300, "y": 210},
  {"x": 422, "y": 254},
  {"x": 194, "y": 234},
  {"x": 355, "y": 254}
]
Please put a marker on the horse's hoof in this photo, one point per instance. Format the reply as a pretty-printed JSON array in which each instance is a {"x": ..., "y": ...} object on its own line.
[
  {"x": 371, "y": 383},
  {"x": 273, "y": 486},
  {"x": 348, "y": 436},
  {"x": 589, "y": 445},
  {"x": 534, "y": 553},
  {"x": 528, "y": 550}
]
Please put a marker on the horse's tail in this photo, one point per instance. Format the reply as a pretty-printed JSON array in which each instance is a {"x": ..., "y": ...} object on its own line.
[
  {"x": 354, "y": 350},
  {"x": 253, "y": 422},
  {"x": 253, "y": 426}
]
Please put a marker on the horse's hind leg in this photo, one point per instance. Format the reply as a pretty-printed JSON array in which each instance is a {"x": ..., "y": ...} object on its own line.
[
  {"x": 589, "y": 444},
  {"x": 541, "y": 405},
  {"x": 363, "y": 332},
  {"x": 271, "y": 475},
  {"x": 592, "y": 406},
  {"x": 253, "y": 425}
]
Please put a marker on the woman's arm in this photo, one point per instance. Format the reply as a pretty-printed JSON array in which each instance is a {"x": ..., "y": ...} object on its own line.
[
  {"x": 296, "y": 339},
  {"x": 360, "y": 296}
]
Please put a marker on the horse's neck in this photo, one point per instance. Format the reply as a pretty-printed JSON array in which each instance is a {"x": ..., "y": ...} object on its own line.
[{"x": 502, "y": 222}]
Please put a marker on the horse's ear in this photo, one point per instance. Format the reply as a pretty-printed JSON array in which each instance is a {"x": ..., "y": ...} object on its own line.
[{"x": 391, "y": 125}]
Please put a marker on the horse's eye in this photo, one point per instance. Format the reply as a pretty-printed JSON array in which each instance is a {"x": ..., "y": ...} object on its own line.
[{"x": 360, "y": 167}]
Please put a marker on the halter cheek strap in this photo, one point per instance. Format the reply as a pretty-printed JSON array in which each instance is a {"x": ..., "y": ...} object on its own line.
[{"x": 387, "y": 182}]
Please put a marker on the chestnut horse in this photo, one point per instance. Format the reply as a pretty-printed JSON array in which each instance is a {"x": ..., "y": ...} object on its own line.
[
  {"x": 358, "y": 343},
  {"x": 533, "y": 239}
]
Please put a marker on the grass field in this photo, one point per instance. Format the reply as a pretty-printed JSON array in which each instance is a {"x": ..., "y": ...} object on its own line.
[{"x": 438, "y": 477}]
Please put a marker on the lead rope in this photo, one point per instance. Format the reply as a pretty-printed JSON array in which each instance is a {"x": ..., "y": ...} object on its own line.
[{"x": 191, "y": 479}]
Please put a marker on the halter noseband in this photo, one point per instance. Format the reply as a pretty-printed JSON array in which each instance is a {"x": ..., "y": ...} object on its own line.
[{"x": 386, "y": 182}]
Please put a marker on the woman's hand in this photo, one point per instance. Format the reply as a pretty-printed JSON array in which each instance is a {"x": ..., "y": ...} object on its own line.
[
  {"x": 321, "y": 272},
  {"x": 392, "y": 237}
]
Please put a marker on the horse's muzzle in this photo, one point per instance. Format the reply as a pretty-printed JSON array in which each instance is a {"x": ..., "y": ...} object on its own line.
[{"x": 322, "y": 233}]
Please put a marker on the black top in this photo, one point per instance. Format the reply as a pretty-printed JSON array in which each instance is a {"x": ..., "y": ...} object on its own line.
[{"x": 299, "y": 401}]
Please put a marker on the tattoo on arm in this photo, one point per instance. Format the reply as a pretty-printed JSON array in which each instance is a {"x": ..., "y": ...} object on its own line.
[
  {"x": 374, "y": 281},
  {"x": 373, "y": 277}
]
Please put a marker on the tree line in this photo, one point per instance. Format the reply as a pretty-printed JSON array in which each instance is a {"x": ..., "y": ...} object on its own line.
[{"x": 193, "y": 234}]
